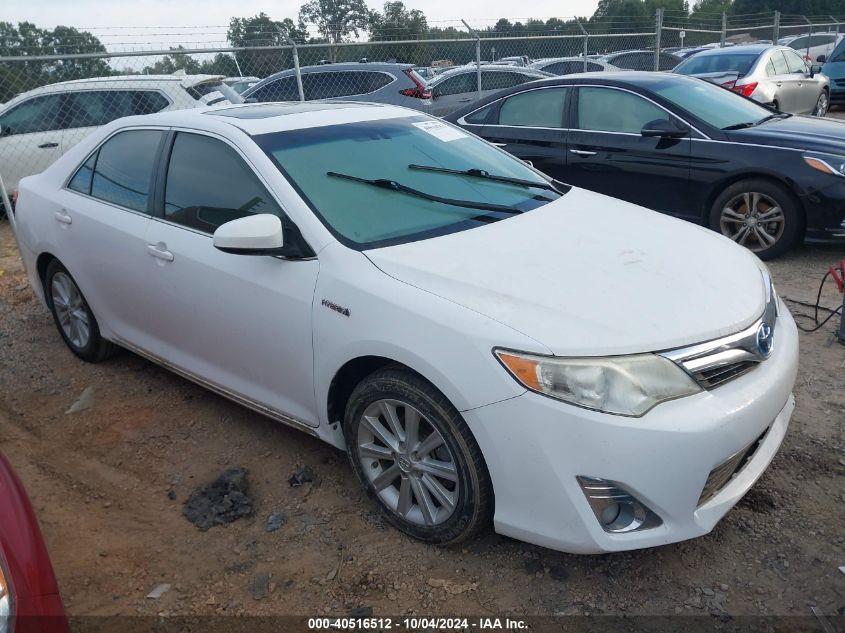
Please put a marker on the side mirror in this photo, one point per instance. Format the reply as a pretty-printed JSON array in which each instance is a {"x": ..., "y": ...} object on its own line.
[
  {"x": 814, "y": 69},
  {"x": 663, "y": 128},
  {"x": 821, "y": 59},
  {"x": 259, "y": 234}
]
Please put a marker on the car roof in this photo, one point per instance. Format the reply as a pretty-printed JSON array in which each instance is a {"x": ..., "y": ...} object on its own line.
[
  {"x": 264, "y": 118},
  {"x": 737, "y": 50},
  {"x": 485, "y": 68}
]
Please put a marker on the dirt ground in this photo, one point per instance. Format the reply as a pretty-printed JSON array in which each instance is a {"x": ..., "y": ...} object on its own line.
[{"x": 108, "y": 484}]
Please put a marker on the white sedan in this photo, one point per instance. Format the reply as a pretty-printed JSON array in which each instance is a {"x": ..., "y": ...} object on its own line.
[{"x": 487, "y": 344}]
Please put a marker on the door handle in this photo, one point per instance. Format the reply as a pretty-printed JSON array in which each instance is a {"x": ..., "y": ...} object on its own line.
[
  {"x": 583, "y": 152},
  {"x": 48, "y": 145},
  {"x": 467, "y": 100},
  {"x": 778, "y": 83},
  {"x": 63, "y": 217},
  {"x": 159, "y": 251}
]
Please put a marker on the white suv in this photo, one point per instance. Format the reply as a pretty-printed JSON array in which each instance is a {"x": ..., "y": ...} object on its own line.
[
  {"x": 815, "y": 46},
  {"x": 38, "y": 126}
]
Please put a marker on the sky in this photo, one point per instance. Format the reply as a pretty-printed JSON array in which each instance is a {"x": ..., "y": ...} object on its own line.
[{"x": 148, "y": 13}]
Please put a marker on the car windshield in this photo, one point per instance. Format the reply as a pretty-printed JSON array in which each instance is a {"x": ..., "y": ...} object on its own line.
[
  {"x": 838, "y": 54},
  {"x": 712, "y": 104},
  {"x": 739, "y": 63},
  {"x": 365, "y": 216}
]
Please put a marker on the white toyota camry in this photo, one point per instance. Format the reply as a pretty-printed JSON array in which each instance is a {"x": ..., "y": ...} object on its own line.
[{"x": 487, "y": 344}]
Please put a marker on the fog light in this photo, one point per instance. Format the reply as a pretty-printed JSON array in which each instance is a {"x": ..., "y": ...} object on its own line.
[{"x": 616, "y": 509}]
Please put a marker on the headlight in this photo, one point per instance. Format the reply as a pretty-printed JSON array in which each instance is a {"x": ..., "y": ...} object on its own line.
[
  {"x": 827, "y": 163},
  {"x": 5, "y": 603},
  {"x": 624, "y": 385}
]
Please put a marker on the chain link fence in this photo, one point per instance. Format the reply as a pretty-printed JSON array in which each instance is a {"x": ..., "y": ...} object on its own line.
[{"x": 137, "y": 72}]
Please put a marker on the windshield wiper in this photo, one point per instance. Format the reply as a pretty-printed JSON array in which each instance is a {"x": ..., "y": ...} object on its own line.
[
  {"x": 742, "y": 126},
  {"x": 392, "y": 185},
  {"x": 481, "y": 173}
]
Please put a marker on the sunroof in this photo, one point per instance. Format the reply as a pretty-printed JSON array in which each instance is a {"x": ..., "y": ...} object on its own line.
[{"x": 267, "y": 110}]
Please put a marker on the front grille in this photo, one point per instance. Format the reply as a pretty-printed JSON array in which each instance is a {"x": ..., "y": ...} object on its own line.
[
  {"x": 715, "y": 376},
  {"x": 722, "y": 474},
  {"x": 717, "y": 362},
  {"x": 840, "y": 82}
]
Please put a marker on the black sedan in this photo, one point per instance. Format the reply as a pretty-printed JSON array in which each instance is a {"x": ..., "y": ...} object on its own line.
[{"x": 679, "y": 145}]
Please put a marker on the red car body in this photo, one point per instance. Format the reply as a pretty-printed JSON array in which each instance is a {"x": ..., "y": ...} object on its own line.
[{"x": 35, "y": 602}]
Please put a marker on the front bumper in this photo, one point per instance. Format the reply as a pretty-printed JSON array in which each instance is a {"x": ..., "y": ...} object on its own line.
[{"x": 535, "y": 447}]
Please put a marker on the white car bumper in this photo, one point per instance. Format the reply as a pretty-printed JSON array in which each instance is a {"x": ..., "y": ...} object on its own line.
[{"x": 535, "y": 448}]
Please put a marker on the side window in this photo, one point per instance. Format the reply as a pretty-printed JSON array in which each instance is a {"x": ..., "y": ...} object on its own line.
[
  {"x": 794, "y": 62},
  {"x": 779, "y": 63},
  {"x": 770, "y": 68},
  {"x": 331, "y": 84},
  {"x": 591, "y": 67},
  {"x": 98, "y": 107},
  {"x": 123, "y": 173},
  {"x": 81, "y": 180},
  {"x": 609, "y": 110},
  {"x": 535, "y": 108},
  {"x": 667, "y": 62},
  {"x": 375, "y": 81},
  {"x": 499, "y": 80},
  {"x": 283, "y": 89},
  {"x": 627, "y": 61},
  {"x": 459, "y": 84},
  {"x": 39, "y": 114},
  {"x": 209, "y": 184},
  {"x": 799, "y": 43},
  {"x": 480, "y": 116}
]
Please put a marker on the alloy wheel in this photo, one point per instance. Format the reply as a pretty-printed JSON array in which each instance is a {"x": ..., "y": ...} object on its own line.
[
  {"x": 70, "y": 310},
  {"x": 822, "y": 105},
  {"x": 408, "y": 462},
  {"x": 753, "y": 220}
]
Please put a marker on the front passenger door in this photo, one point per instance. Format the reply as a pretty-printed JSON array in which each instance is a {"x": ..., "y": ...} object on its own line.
[
  {"x": 239, "y": 322},
  {"x": 608, "y": 154}
]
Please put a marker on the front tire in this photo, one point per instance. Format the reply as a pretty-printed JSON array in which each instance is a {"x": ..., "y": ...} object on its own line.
[
  {"x": 822, "y": 105},
  {"x": 759, "y": 214},
  {"x": 73, "y": 316},
  {"x": 415, "y": 455}
]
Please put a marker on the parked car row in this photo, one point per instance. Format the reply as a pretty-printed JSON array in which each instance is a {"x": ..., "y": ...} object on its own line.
[
  {"x": 38, "y": 126},
  {"x": 773, "y": 75}
]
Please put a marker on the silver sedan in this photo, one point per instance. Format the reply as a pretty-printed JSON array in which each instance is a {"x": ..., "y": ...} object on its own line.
[{"x": 773, "y": 75}]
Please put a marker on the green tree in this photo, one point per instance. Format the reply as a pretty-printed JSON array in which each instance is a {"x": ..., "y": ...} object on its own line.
[
  {"x": 335, "y": 20},
  {"x": 27, "y": 39},
  {"x": 260, "y": 30},
  {"x": 396, "y": 22}
]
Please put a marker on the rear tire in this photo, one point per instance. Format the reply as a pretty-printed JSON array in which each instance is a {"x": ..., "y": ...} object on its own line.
[
  {"x": 414, "y": 454},
  {"x": 73, "y": 316},
  {"x": 759, "y": 214}
]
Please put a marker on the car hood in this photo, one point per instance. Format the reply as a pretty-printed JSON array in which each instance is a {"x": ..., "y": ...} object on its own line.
[
  {"x": 590, "y": 275},
  {"x": 801, "y": 132}
]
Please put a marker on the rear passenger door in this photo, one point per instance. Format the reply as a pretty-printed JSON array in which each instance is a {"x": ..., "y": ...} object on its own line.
[
  {"x": 30, "y": 138},
  {"x": 236, "y": 321},
  {"x": 786, "y": 83},
  {"x": 454, "y": 92},
  {"x": 86, "y": 110},
  {"x": 101, "y": 226},
  {"x": 807, "y": 88},
  {"x": 608, "y": 154},
  {"x": 530, "y": 125}
]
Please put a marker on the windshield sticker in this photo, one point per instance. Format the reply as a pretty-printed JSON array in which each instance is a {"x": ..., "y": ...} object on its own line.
[{"x": 441, "y": 130}]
